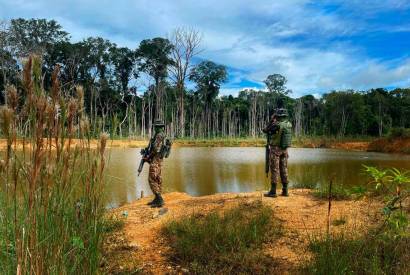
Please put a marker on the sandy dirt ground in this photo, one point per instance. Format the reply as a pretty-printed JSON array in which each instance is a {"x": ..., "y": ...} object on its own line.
[
  {"x": 140, "y": 244},
  {"x": 133, "y": 143}
]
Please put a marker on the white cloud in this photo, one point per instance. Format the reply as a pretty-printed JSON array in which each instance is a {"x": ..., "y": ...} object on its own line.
[{"x": 253, "y": 37}]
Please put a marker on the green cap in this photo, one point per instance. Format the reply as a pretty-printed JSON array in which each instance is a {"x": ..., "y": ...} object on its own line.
[{"x": 281, "y": 112}]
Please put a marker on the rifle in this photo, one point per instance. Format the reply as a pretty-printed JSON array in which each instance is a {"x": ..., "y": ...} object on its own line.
[
  {"x": 145, "y": 154},
  {"x": 267, "y": 158}
]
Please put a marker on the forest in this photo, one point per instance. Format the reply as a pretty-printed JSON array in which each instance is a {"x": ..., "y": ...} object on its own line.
[{"x": 165, "y": 77}]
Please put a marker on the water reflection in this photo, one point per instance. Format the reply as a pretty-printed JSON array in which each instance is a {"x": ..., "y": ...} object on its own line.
[{"x": 204, "y": 171}]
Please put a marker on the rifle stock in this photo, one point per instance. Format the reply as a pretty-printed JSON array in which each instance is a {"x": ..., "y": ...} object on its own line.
[{"x": 267, "y": 159}]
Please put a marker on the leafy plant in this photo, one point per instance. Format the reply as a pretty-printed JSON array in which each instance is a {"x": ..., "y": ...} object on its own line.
[{"x": 392, "y": 183}]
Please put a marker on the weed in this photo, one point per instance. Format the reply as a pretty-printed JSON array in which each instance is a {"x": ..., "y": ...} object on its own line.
[
  {"x": 113, "y": 224},
  {"x": 381, "y": 250},
  {"x": 304, "y": 185},
  {"x": 374, "y": 253},
  {"x": 228, "y": 242},
  {"x": 339, "y": 221},
  {"x": 338, "y": 193}
]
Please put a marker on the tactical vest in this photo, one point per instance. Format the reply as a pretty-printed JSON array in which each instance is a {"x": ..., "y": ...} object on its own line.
[{"x": 283, "y": 136}]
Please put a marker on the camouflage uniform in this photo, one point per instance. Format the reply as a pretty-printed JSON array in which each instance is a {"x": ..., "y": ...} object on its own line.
[
  {"x": 279, "y": 164},
  {"x": 154, "y": 174},
  {"x": 279, "y": 139}
]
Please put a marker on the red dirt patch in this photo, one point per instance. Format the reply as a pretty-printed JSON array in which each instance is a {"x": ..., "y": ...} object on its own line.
[{"x": 397, "y": 145}]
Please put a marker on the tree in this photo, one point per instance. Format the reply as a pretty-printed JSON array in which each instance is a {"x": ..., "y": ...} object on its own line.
[
  {"x": 35, "y": 35},
  {"x": 154, "y": 58},
  {"x": 208, "y": 77},
  {"x": 123, "y": 60},
  {"x": 71, "y": 59},
  {"x": 186, "y": 45},
  {"x": 9, "y": 71},
  {"x": 276, "y": 84}
]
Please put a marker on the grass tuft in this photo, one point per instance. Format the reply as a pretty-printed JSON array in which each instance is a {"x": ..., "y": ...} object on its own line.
[
  {"x": 374, "y": 253},
  {"x": 113, "y": 224},
  {"x": 304, "y": 185},
  {"x": 224, "y": 242},
  {"x": 338, "y": 192}
]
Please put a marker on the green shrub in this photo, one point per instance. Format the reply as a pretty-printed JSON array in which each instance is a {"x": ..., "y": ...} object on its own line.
[
  {"x": 224, "y": 242},
  {"x": 399, "y": 132}
]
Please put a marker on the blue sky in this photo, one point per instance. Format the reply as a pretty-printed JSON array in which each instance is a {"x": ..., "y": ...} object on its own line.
[{"x": 318, "y": 45}]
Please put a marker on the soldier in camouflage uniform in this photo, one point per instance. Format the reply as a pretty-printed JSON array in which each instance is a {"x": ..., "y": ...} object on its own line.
[
  {"x": 279, "y": 132},
  {"x": 155, "y": 159}
]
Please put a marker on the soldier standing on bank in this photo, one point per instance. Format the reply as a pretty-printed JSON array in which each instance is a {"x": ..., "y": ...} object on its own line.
[
  {"x": 279, "y": 132},
  {"x": 158, "y": 148}
]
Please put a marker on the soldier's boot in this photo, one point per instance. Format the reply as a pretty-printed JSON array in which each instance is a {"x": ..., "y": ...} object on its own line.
[
  {"x": 159, "y": 202},
  {"x": 285, "y": 189},
  {"x": 154, "y": 201},
  {"x": 272, "y": 192}
]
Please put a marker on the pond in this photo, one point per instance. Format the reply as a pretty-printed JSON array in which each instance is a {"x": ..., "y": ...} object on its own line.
[{"x": 205, "y": 171}]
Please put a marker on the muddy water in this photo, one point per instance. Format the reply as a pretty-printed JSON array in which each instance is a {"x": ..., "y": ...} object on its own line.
[{"x": 204, "y": 171}]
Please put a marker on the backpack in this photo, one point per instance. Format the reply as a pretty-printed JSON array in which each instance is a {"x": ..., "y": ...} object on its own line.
[{"x": 166, "y": 148}]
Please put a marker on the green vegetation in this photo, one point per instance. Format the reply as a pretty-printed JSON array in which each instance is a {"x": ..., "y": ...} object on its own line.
[
  {"x": 399, "y": 132},
  {"x": 51, "y": 192},
  {"x": 304, "y": 185},
  {"x": 338, "y": 192},
  {"x": 305, "y": 141},
  {"x": 113, "y": 104},
  {"x": 224, "y": 242},
  {"x": 381, "y": 250},
  {"x": 225, "y": 142},
  {"x": 374, "y": 253},
  {"x": 113, "y": 223}
]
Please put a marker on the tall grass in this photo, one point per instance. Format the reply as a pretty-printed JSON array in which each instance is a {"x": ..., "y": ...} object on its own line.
[
  {"x": 51, "y": 207},
  {"x": 224, "y": 243},
  {"x": 350, "y": 253}
]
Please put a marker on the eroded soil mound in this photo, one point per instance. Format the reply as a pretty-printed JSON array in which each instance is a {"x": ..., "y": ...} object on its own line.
[{"x": 386, "y": 145}]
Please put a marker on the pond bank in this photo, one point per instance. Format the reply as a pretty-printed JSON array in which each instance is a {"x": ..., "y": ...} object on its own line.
[
  {"x": 383, "y": 145},
  {"x": 140, "y": 246},
  {"x": 390, "y": 145}
]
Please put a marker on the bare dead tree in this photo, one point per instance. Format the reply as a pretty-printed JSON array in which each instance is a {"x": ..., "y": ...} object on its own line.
[
  {"x": 4, "y": 26},
  {"x": 186, "y": 43},
  {"x": 298, "y": 117}
]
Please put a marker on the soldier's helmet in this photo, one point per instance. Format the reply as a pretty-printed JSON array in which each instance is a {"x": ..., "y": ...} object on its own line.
[
  {"x": 281, "y": 112},
  {"x": 159, "y": 123}
]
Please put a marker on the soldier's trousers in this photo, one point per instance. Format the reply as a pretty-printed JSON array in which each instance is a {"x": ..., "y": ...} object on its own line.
[
  {"x": 279, "y": 165},
  {"x": 154, "y": 176}
]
